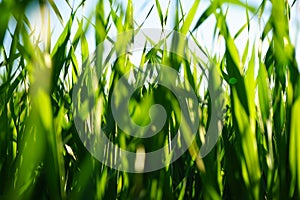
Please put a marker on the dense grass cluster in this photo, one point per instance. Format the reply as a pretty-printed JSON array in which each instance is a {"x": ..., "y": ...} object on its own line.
[{"x": 257, "y": 155}]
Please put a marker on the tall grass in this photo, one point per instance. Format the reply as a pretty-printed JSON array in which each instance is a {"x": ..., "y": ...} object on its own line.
[{"x": 257, "y": 155}]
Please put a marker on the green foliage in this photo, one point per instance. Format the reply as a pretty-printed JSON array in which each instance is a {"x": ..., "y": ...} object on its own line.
[{"x": 257, "y": 155}]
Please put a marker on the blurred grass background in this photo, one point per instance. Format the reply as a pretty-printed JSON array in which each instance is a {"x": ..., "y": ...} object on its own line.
[{"x": 41, "y": 156}]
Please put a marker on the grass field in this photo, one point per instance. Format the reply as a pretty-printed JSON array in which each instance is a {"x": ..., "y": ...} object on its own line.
[{"x": 43, "y": 155}]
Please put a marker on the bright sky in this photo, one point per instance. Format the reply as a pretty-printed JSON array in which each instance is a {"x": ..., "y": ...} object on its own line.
[{"x": 236, "y": 18}]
